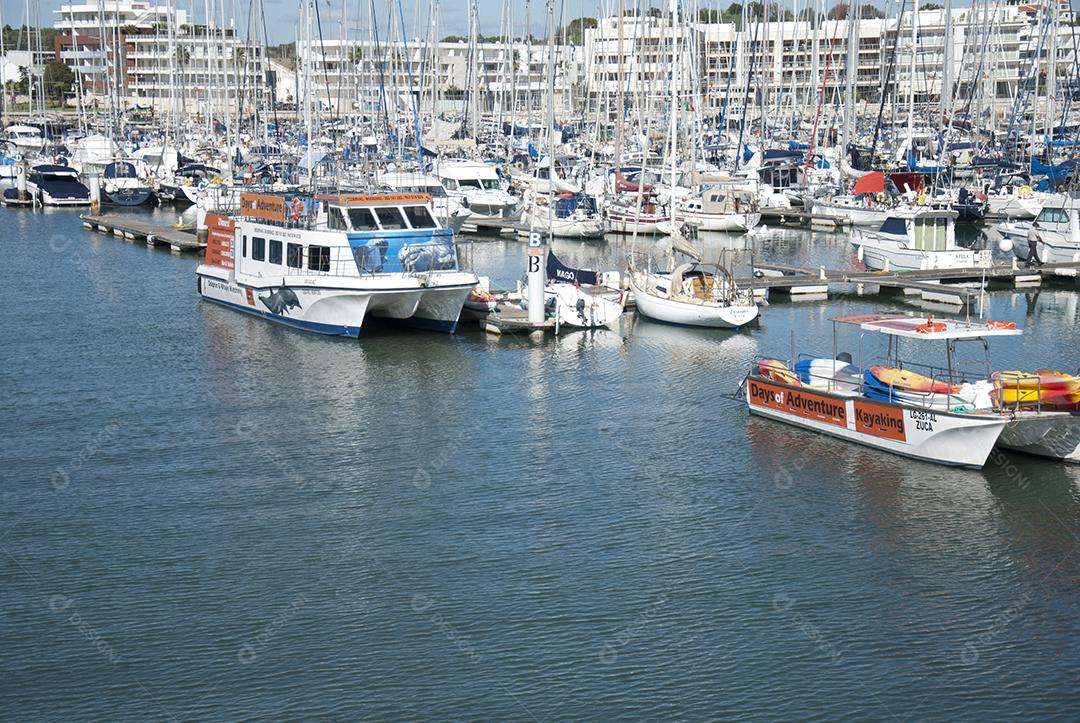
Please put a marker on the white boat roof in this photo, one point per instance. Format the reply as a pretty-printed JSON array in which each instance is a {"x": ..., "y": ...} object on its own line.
[{"x": 917, "y": 327}]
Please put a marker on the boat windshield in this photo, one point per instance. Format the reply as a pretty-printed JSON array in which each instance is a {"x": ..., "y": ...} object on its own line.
[
  {"x": 931, "y": 236},
  {"x": 1052, "y": 215},
  {"x": 362, "y": 219},
  {"x": 419, "y": 217}
]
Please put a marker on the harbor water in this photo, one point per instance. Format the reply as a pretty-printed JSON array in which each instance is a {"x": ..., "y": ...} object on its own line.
[{"x": 207, "y": 517}]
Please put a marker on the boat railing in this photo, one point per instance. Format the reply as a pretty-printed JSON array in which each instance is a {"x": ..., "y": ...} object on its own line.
[{"x": 1021, "y": 393}]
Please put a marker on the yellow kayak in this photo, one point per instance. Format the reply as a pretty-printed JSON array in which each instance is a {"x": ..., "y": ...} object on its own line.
[{"x": 1043, "y": 386}]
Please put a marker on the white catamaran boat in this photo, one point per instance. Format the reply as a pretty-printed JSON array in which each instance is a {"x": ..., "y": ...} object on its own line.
[{"x": 327, "y": 263}]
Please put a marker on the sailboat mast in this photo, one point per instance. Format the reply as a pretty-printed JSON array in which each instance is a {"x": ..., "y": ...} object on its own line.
[{"x": 673, "y": 121}]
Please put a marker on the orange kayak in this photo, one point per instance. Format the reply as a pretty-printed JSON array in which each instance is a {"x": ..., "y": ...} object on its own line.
[{"x": 910, "y": 381}]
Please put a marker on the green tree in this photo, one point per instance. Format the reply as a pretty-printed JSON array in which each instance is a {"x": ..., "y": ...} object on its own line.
[
  {"x": 872, "y": 12},
  {"x": 183, "y": 56},
  {"x": 56, "y": 79},
  {"x": 574, "y": 33}
]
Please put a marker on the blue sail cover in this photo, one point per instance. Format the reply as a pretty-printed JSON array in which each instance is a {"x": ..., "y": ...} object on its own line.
[
  {"x": 558, "y": 271},
  {"x": 1058, "y": 172}
]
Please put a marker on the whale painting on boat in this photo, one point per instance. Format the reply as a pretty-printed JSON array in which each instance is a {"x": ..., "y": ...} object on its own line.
[{"x": 281, "y": 301}]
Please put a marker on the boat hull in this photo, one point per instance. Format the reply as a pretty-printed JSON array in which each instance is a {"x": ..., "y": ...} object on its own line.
[
  {"x": 337, "y": 311},
  {"x": 691, "y": 314},
  {"x": 1045, "y": 434},
  {"x": 129, "y": 196},
  {"x": 961, "y": 440}
]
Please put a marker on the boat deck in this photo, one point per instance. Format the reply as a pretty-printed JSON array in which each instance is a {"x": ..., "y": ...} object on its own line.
[{"x": 123, "y": 225}]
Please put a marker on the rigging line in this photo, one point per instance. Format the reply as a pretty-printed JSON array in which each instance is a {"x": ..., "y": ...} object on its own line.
[
  {"x": 380, "y": 62},
  {"x": 408, "y": 70},
  {"x": 888, "y": 80},
  {"x": 322, "y": 49}
]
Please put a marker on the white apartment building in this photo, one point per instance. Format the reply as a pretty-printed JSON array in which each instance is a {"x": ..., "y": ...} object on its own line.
[
  {"x": 353, "y": 75},
  {"x": 154, "y": 57},
  {"x": 789, "y": 63}
]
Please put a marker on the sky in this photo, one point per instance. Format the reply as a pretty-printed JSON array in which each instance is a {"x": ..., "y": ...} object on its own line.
[{"x": 281, "y": 15}]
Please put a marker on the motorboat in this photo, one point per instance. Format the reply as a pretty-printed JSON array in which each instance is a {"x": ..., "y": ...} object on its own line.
[
  {"x": 913, "y": 238},
  {"x": 327, "y": 263},
  {"x": 479, "y": 188},
  {"x": 915, "y": 425},
  {"x": 55, "y": 185},
  {"x": 449, "y": 211}
]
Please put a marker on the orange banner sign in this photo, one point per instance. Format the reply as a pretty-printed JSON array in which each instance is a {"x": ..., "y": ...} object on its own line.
[
  {"x": 386, "y": 198},
  {"x": 880, "y": 420},
  {"x": 264, "y": 208},
  {"x": 798, "y": 402}
]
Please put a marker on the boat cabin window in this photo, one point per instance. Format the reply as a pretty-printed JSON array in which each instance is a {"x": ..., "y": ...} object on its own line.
[
  {"x": 450, "y": 184},
  {"x": 435, "y": 190},
  {"x": 243, "y": 247},
  {"x": 335, "y": 219},
  {"x": 294, "y": 256},
  {"x": 894, "y": 226},
  {"x": 390, "y": 218},
  {"x": 930, "y": 236},
  {"x": 362, "y": 219},
  {"x": 319, "y": 258},
  {"x": 419, "y": 217},
  {"x": 258, "y": 248},
  {"x": 1052, "y": 215},
  {"x": 491, "y": 184},
  {"x": 469, "y": 183},
  {"x": 275, "y": 252}
]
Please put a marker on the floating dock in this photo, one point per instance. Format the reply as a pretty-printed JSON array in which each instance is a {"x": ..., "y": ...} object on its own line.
[
  {"x": 796, "y": 279},
  {"x": 121, "y": 225},
  {"x": 801, "y": 218},
  {"x": 510, "y": 319}
]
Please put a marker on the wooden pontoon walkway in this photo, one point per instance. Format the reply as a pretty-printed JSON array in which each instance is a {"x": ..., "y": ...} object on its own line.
[
  {"x": 126, "y": 226},
  {"x": 794, "y": 277}
]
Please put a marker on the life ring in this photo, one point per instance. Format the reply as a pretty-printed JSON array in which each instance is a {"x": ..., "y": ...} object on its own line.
[
  {"x": 930, "y": 326},
  {"x": 880, "y": 197},
  {"x": 921, "y": 200},
  {"x": 297, "y": 208},
  {"x": 1000, "y": 324},
  {"x": 1024, "y": 192},
  {"x": 216, "y": 180}
]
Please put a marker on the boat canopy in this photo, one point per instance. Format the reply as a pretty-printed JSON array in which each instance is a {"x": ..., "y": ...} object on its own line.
[
  {"x": 916, "y": 327},
  {"x": 870, "y": 183},
  {"x": 120, "y": 169}
]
